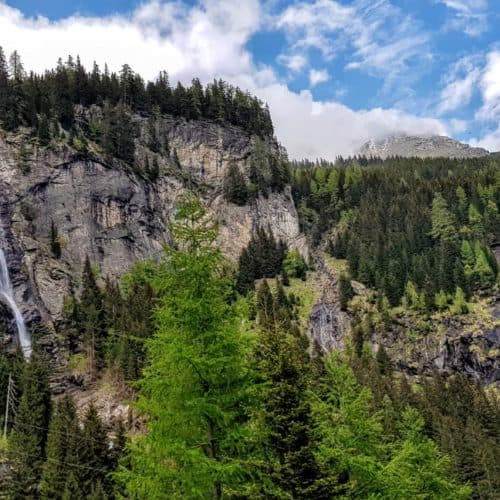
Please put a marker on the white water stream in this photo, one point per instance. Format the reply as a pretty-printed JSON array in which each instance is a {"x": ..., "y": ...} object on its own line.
[{"x": 7, "y": 295}]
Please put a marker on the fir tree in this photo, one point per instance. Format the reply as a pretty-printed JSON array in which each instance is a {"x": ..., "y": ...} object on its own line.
[{"x": 346, "y": 293}]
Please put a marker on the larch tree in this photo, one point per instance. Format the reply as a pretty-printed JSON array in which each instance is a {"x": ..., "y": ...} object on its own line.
[{"x": 195, "y": 388}]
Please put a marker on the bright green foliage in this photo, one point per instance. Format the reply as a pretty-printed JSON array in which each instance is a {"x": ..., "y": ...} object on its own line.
[
  {"x": 295, "y": 265},
  {"x": 483, "y": 275},
  {"x": 441, "y": 300},
  {"x": 414, "y": 300},
  {"x": 459, "y": 305},
  {"x": 407, "y": 217},
  {"x": 443, "y": 222},
  {"x": 195, "y": 387},
  {"x": 476, "y": 223},
  {"x": 367, "y": 463},
  {"x": 416, "y": 468}
]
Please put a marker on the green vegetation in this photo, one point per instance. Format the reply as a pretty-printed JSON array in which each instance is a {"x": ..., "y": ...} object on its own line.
[
  {"x": 408, "y": 227},
  {"x": 234, "y": 400},
  {"x": 47, "y": 102}
]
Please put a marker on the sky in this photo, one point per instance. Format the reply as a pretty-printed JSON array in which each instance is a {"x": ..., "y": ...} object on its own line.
[{"x": 335, "y": 73}]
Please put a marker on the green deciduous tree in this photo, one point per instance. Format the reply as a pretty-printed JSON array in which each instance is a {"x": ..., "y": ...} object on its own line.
[{"x": 195, "y": 387}]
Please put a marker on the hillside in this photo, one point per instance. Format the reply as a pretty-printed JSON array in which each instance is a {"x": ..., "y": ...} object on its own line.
[
  {"x": 422, "y": 147},
  {"x": 201, "y": 309}
]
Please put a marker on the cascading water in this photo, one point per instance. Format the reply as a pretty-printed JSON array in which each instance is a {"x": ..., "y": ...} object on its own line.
[{"x": 7, "y": 295}]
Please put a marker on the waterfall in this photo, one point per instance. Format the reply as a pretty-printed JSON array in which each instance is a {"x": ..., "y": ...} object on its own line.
[{"x": 7, "y": 294}]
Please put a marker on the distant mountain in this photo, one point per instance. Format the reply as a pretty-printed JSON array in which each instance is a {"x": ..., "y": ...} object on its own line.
[{"x": 423, "y": 147}]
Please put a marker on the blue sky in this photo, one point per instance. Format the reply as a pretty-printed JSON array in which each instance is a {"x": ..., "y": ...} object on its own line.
[{"x": 335, "y": 72}]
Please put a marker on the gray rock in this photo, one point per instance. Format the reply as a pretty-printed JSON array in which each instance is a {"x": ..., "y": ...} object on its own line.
[{"x": 423, "y": 147}]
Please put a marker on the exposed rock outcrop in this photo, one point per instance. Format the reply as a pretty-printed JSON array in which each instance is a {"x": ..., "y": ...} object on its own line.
[
  {"x": 106, "y": 211},
  {"x": 423, "y": 147}
]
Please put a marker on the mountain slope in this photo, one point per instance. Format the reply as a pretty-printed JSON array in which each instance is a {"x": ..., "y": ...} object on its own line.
[{"x": 422, "y": 147}]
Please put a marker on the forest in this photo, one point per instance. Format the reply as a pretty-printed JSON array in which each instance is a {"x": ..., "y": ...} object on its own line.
[
  {"x": 229, "y": 397},
  {"x": 47, "y": 102},
  {"x": 414, "y": 229},
  {"x": 236, "y": 405}
]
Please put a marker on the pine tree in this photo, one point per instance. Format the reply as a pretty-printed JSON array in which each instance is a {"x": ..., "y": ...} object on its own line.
[
  {"x": 95, "y": 456},
  {"x": 72, "y": 489},
  {"x": 4, "y": 85},
  {"x": 443, "y": 222},
  {"x": 118, "y": 134},
  {"x": 284, "y": 417},
  {"x": 265, "y": 305},
  {"x": 43, "y": 130},
  {"x": 92, "y": 318},
  {"x": 364, "y": 461}
]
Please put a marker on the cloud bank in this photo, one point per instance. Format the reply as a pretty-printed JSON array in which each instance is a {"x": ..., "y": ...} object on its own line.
[{"x": 209, "y": 40}]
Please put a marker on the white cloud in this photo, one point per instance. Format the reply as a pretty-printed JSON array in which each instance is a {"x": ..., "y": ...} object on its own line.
[
  {"x": 207, "y": 40},
  {"x": 158, "y": 35},
  {"x": 490, "y": 88},
  {"x": 317, "y": 76},
  {"x": 458, "y": 126},
  {"x": 460, "y": 84},
  {"x": 314, "y": 129},
  {"x": 294, "y": 63},
  {"x": 490, "y": 141},
  {"x": 384, "y": 40},
  {"x": 469, "y": 16}
]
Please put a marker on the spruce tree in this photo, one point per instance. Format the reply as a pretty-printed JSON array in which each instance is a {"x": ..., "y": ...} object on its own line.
[
  {"x": 346, "y": 293},
  {"x": 235, "y": 187},
  {"x": 95, "y": 454},
  {"x": 284, "y": 417},
  {"x": 26, "y": 445},
  {"x": 63, "y": 450},
  {"x": 92, "y": 319}
]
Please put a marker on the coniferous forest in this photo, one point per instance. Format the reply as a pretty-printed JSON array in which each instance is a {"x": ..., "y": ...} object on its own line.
[{"x": 229, "y": 397}]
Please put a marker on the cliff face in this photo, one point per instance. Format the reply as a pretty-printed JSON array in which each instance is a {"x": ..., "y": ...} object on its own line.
[{"x": 115, "y": 216}]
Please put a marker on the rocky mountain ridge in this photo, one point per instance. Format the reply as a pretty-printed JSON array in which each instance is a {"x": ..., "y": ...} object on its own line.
[{"x": 422, "y": 147}]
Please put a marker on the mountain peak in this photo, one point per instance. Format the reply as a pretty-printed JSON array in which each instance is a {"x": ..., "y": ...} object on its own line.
[{"x": 421, "y": 146}]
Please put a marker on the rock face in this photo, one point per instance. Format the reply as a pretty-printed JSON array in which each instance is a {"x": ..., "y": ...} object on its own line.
[
  {"x": 329, "y": 327},
  {"x": 468, "y": 344},
  {"x": 114, "y": 216},
  {"x": 422, "y": 147}
]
